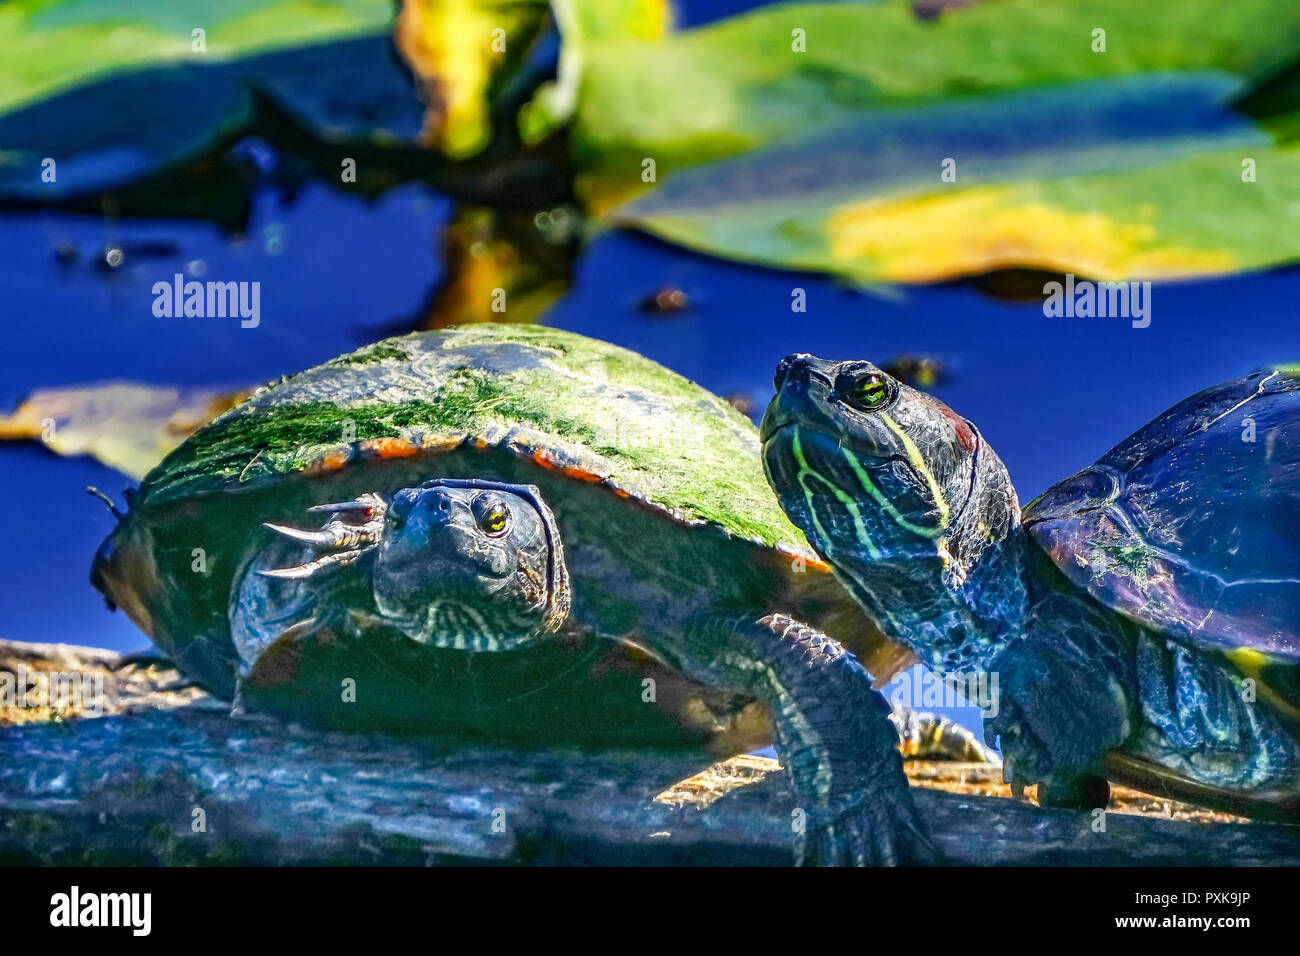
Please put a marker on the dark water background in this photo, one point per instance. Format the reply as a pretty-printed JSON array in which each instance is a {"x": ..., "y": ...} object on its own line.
[{"x": 1051, "y": 395}]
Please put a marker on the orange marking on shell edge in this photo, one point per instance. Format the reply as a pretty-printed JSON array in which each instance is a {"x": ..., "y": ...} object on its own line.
[
  {"x": 330, "y": 461},
  {"x": 583, "y": 475},
  {"x": 389, "y": 447},
  {"x": 809, "y": 561}
]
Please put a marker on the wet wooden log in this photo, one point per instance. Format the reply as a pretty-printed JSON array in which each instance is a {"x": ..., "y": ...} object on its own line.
[{"x": 169, "y": 777}]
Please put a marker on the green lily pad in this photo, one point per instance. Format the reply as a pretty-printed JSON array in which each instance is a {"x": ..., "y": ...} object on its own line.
[
  {"x": 112, "y": 92},
  {"x": 1142, "y": 177},
  {"x": 779, "y": 73}
]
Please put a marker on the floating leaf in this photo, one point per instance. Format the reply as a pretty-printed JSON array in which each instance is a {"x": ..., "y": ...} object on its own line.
[
  {"x": 1131, "y": 178},
  {"x": 779, "y": 73},
  {"x": 113, "y": 92},
  {"x": 125, "y": 425}
]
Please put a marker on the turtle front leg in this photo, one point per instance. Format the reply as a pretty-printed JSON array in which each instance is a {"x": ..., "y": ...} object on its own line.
[
  {"x": 835, "y": 739},
  {"x": 1063, "y": 700}
]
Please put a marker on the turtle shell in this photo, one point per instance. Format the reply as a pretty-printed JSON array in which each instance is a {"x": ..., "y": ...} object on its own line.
[
  {"x": 597, "y": 412},
  {"x": 1191, "y": 526},
  {"x": 622, "y": 448}
]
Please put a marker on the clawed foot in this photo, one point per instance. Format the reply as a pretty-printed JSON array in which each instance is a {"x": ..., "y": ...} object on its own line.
[
  {"x": 1054, "y": 737},
  {"x": 143, "y": 659},
  {"x": 353, "y": 529},
  {"x": 1080, "y": 792},
  {"x": 1060, "y": 764},
  {"x": 885, "y": 833}
]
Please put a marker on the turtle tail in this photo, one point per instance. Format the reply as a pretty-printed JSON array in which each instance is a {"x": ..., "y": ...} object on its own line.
[{"x": 108, "y": 502}]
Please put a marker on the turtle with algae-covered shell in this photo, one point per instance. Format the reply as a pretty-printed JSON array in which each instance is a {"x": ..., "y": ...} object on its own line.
[{"x": 518, "y": 532}]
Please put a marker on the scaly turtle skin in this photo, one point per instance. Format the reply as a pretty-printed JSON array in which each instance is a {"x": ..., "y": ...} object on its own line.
[
  {"x": 1140, "y": 620},
  {"x": 515, "y": 528}
]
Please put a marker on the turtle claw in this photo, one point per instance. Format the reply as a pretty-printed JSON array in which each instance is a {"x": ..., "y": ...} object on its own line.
[
  {"x": 290, "y": 574},
  {"x": 303, "y": 571},
  {"x": 317, "y": 539},
  {"x": 144, "y": 658},
  {"x": 887, "y": 834},
  {"x": 350, "y": 538},
  {"x": 365, "y": 504}
]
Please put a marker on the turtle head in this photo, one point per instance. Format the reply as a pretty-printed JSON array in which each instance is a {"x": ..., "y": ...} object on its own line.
[
  {"x": 458, "y": 563},
  {"x": 898, "y": 492},
  {"x": 471, "y": 564}
]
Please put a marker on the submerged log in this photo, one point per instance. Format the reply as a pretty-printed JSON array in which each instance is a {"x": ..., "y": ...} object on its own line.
[{"x": 167, "y": 776}]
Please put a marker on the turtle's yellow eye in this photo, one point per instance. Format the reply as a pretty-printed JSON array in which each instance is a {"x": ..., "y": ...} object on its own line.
[
  {"x": 493, "y": 517},
  {"x": 869, "y": 393}
]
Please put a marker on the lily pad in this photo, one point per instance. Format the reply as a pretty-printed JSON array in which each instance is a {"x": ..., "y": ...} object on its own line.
[
  {"x": 780, "y": 72},
  {"x": 1142, "y": 177},
  {"x": 113, "y": 92},
  {"x": 1099, "y": 137}
]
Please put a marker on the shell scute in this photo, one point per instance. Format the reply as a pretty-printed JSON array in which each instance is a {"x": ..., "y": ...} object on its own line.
[{"x": 1191, "y": 526}]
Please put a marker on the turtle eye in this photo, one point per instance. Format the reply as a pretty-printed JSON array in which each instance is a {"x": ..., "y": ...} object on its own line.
[
  {"x": 492, "y": 516},
  {"x": 869, "y": 393}
]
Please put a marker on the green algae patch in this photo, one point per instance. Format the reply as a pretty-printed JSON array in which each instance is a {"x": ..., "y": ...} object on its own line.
[
  {"x": 371, "y": 355},
  {"x": 599, "y": 412}
]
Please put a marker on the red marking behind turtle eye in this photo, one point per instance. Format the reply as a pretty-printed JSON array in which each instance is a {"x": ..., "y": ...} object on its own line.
[{"x": 964, "y": 433}]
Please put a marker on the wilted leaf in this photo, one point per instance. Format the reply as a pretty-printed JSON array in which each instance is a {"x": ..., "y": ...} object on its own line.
[{"x": 125, "y": 425}]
